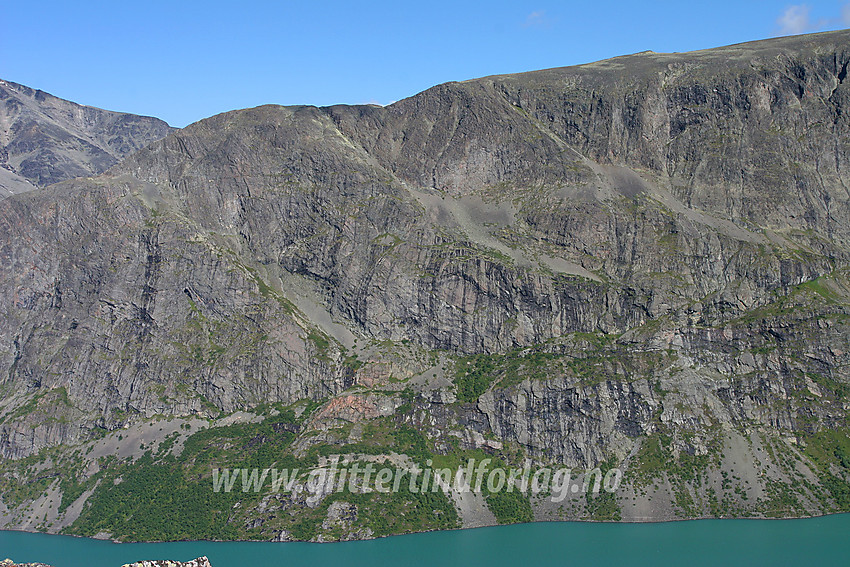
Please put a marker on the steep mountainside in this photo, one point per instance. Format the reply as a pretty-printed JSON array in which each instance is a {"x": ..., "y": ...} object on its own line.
[
  {"x": 640, "y": 263},
  {"x": 44, "y": 139}
]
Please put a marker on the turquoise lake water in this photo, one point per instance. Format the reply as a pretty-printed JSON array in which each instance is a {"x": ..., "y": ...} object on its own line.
[{"x": 813, "y": 541}]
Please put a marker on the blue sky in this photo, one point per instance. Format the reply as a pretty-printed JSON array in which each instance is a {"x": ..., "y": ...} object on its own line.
[{"x": 183, "y": 61}]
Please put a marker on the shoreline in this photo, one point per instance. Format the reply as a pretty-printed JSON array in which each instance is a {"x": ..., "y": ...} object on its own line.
[{"x": 629, "y": 523}]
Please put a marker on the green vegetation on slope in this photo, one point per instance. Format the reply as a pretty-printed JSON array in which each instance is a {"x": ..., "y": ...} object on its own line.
[{"x": 163, "y": 496}]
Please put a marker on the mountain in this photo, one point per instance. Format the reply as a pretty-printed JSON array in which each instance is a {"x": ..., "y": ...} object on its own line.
[
  {"x": 44, "y": 139},
  {"x": 636, "y": 265}
]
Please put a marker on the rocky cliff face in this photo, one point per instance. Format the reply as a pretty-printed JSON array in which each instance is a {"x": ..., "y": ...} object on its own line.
[
  {"x": 642, "y": 261},
  {"x": 44, "y": 139}
]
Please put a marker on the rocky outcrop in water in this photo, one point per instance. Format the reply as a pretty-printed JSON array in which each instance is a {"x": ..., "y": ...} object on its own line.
[
  {"x": 10, "y": 563},
  {"x": 199, "y": 562}
]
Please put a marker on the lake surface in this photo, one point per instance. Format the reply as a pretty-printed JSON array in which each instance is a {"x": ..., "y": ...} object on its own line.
[{"x": 812, "y": 541}]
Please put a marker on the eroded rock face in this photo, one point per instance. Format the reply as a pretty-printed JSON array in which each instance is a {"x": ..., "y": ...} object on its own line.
[
  {"x": 692, "y": 208},
  {"x": 44, "y": 139}
]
